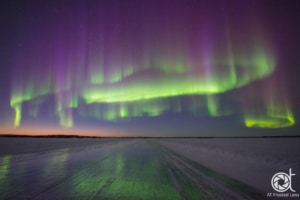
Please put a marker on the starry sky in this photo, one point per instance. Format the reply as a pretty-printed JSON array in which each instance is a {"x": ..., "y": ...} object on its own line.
[{"x": 149, "y": 68}]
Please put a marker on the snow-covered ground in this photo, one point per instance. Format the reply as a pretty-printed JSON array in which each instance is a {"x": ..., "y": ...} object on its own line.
[{"x": 250, "y": 160}]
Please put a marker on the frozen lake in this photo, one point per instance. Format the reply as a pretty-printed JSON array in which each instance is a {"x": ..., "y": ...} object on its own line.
[{"x": 85, "y": 168}]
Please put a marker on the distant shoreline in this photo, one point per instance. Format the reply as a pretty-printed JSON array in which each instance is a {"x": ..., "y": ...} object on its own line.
[
  {"x": 79, "y": 136},
  {"x": 49, "y": 136}
]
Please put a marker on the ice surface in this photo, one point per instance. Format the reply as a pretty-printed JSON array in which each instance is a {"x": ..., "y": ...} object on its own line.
[{"x": 106, "y": 168}]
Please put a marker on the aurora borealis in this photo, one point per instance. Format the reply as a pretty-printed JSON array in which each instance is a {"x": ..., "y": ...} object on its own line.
[{"x": 105, "y": 63}]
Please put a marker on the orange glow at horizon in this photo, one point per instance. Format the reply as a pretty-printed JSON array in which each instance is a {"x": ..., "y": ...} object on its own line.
[{"x": 52, "y": 131}]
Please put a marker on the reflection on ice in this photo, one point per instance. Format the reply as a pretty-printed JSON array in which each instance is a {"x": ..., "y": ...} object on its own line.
[
  {"x": 124, "y": 169},
  {"x": 56, "y": 165},
  {"x": 4, "y": 178}
]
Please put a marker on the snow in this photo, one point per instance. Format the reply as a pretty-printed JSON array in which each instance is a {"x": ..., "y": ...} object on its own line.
[{"x": 250, "y": 160}]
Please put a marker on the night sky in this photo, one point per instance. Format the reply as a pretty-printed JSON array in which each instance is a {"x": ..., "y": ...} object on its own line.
[{"x": 150, "y": 67}]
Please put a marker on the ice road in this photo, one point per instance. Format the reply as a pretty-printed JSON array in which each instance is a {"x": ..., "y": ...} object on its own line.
[{"x": 78, "y": 168}]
